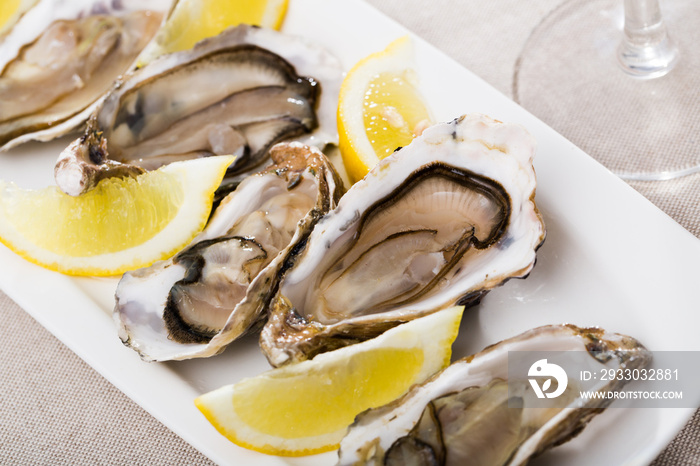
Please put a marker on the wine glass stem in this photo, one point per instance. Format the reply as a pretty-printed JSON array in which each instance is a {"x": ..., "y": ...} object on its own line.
[{"x": 646, "y": 51}]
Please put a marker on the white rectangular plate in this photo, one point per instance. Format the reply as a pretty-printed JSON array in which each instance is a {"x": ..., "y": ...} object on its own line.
[{"x": 611, "y": 259}]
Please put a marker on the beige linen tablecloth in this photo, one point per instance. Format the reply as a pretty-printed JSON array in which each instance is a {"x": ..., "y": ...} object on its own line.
[{"x": 56, "y": 410}]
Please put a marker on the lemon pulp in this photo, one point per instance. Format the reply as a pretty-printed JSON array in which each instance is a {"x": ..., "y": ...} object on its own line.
[
  {"x": 379, "y": 108},
  {"x": 305, "y": 408},
  {"x": 106, "y": 223},
  {"x": 301, "y": 410},
  {"x": 123, "y": 224},
  {"x": 392, "y": 113},
  {"x": 193, "y": 21}
]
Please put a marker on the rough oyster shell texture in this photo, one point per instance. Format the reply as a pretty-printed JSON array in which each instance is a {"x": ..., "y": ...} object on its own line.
[
  {"x": 237, "y": 93},
  {"x": 215, "y": 290},
  {"x": 445, "y": 420},
  {"x": 239, "y": 79},
  {"x": 440, "y": 222},
  {"x": 60, "y": 59}
]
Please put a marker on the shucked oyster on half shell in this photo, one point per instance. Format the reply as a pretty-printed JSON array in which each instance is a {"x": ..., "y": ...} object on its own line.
[
  {"x": 212, "y": 292},
  {"x": 61, "y": 58},
  {"x": 466, "y": 413},
  {"x": 438, "y": 223},
  {"x": 236, "y": 93}
]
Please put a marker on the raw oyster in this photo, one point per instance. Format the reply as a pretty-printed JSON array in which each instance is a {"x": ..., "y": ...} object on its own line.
[
  {"x": 237, "y": 93},
  {"x": 195, "y": 303},
  {"x": 62, "y": 57},
  {"x": 471, "y": 413},
  {"x": 438, "y": 223}
]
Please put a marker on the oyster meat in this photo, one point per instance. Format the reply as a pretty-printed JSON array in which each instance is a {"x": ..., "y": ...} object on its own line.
[
  {"x": 236, "y": 93},
  {"x": 62, "y": 57},
  {"x": 438, "y": 223},
  {"x": 209, "y": 294},
  {"x": 472, "y": 413}
]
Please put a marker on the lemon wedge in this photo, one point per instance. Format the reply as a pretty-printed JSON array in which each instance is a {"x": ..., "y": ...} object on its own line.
[
  {"x": 194, "y": 20},
  {"x": 305, "y": 408},
  {"x": 10, "y": 12},
  {"x": 122, "y": 224},
  {"x": 379, "y": 108}
]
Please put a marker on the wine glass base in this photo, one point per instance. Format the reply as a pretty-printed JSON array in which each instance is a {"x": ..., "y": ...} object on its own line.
[
  {"x": 657, "y": 176},
  {"x": 569, "y": 76},
  {"x": 648, "y": 64}
]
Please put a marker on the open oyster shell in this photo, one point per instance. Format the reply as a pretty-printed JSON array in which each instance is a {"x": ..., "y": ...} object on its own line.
[
  {"x": 466, "y": 414},
  {"x": 236, "y": 93},
  {"x": 61, "y": 58},
  {"x": 212, "y": 292},
  {"x": 438, "y": 223}
]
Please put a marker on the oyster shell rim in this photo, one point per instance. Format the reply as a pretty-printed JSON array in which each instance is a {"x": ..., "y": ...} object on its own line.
[
  {"x": 590, "y": 339},
  {"x": 289, "y": 336}
]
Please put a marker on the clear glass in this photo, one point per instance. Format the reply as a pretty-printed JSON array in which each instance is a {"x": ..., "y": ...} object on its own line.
[
  {"x": 620, "y": 79},
  {"x": 646, "y": 50}
]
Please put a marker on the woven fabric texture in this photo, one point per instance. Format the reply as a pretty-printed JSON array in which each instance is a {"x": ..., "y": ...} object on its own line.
[
  {"x": 48, "y": 392},
  {"x": 56, "y": 410}
]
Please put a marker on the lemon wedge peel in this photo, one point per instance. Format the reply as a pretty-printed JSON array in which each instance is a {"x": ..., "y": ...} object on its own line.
[
  {"x": 305, "y": 408},
  {"x": 379, "y": 95},
  {"x": 274, "y": 14},
  {"x": 191, "y": 21},
  {"x": 49, "y": 239}
]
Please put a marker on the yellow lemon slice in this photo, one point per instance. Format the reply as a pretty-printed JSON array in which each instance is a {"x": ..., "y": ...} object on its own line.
[
  {"x": 194, "y": 20},
  {"x": 11, "y": 11},
  {"x": 122, "y": 224},
  {"x": 305, "y": 408},
  {"x": 379, "y": 108}
]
